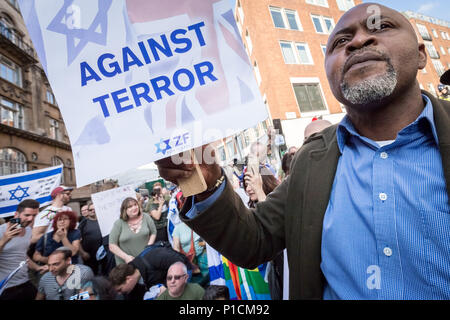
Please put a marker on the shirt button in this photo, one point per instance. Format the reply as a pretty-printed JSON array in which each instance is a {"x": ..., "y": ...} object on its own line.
[
  {"x": 387, "y": 252},
  {"x": 383, "y": 155},
  {"x": 383, "y": 196}
]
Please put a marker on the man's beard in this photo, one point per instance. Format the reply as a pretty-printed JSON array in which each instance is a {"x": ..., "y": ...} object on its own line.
[{"x": 371, "y": 90}]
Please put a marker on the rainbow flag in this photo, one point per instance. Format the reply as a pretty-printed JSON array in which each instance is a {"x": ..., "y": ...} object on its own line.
[{"x": 243, "y": 284}]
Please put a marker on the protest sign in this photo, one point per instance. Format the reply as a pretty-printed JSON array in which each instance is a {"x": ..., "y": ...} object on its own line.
[
  {"x": 107, "y": 206},
  {"x": 140, "y": 80},
  {"x": 36, "y": 184}
]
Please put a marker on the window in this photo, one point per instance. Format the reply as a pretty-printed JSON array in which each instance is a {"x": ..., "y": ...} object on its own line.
[
  {"x": 324, "y": 48},
  {"x": 443, "y": 35},
  {"x": 438, "y": 66},
  {"x": 54, "y": 130},
  {"x": 309, "y": 97},
  {"x": 50, "y": 97},
  {"x": 443, "y": 50},
  {"x": 56, "y": 161},
  {"x": 299, "y": 55},
  {"x": 240, "y": 11},
  {"x": 277, "y": 18},
  {"x": 257, "y": 73},
  {"x": 433, "y": 31},
  {"x": 423, "y": 32},
  {"x": 304, "y": 54},
  {"x": 11, "y": 113},
  {"x": 431, "y": 50},
  {"x": 288, "y": 52},
  {"x": 10, "y": 71},
  {"x": 249, "y": 42},
  {"x": 285, "y": 18},
  {"x": 222, "y": 154},
  {"x": 323, "y": 3},
  {"x": 424, "y": 70},
  {"x": 322, "y": 24},
  {"x": 230, "y": 148},
  {"x": 345, "y": 5},
  {"x": 12, "y": 161}
]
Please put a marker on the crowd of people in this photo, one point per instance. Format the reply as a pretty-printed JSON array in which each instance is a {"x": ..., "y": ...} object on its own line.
[{"x": 143, "y": 257}]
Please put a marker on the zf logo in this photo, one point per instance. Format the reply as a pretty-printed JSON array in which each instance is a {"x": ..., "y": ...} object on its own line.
[{"x": 172, "y": 143}]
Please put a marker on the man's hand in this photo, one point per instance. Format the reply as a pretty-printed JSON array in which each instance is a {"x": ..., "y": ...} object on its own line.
[
  {"x": 180, "y": 167},
  {"x": 11, "y": 232},
  {"x": 42, "y": 269}
]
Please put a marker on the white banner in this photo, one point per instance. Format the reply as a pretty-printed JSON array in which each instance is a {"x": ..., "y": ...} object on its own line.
[
  {"x": 140, "y": 80},
  {"x": 107, "y": 206},
  {"x": 37, "y": 185}
]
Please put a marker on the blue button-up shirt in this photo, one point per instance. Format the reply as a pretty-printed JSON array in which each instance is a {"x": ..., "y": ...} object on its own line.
[{"x": 386, "y": 231}]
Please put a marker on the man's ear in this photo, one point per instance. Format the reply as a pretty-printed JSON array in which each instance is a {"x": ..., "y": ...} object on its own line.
[{"x": 422, "y": 56}]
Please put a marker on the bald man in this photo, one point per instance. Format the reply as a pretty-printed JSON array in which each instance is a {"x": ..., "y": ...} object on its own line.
[
  {"x": 316, "y": 126},
  {"x": 364, "y": 212}
]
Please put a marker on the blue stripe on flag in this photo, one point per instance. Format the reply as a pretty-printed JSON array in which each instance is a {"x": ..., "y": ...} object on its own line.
[
  {"x": 216, "y": 272},
  {"x": 32, "y": 176},
  {"x": 14, "y": 207}
]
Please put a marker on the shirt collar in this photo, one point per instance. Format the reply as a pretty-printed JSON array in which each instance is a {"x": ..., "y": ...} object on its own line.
[{"x": 346, "y": 128}]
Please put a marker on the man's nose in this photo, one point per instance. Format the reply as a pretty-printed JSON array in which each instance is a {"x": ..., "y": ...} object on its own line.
[{"x": 360, "y": 40}]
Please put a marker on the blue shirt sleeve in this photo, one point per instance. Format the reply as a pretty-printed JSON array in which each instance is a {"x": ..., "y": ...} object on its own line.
[{"x": 197, "y": 208}]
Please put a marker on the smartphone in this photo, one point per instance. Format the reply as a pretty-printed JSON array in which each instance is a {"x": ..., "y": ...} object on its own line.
[
  {"x": 253, "y": 165},
  {"x": 14, "y": 221}
]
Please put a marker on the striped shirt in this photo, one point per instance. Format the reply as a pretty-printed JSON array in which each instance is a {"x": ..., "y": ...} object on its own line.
[
  {"x": 53, "y": 291},
  {"x": 386, "y": 231}
]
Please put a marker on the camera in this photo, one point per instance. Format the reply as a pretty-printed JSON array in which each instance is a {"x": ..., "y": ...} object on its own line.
[
  {"x": 14, "y": 221},
  {"x": 156, "y": 192}
]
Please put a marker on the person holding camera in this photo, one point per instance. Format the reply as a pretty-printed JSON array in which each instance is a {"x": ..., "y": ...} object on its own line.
[
  {"x": 159, "y": 208},
  {"x": 15, "y": 238}
]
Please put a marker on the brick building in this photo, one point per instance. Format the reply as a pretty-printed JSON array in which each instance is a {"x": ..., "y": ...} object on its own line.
[
  {"x": 286, "y": 39},
  {"x": 32, "y": 131}
]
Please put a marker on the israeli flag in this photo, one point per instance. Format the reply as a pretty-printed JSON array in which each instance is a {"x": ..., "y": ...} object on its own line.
[
  {"x": 5, "y": 281},
  {"x": 37, "y": 185}
]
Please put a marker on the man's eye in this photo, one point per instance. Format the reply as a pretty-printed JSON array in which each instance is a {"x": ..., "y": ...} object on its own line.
[{"x": 340, "y": 42}]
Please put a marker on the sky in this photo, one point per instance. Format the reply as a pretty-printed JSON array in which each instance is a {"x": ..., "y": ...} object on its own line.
[{"x": 434, "y": 8}]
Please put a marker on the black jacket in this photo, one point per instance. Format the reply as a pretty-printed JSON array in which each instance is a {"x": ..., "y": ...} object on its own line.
[{"x": 155, "y": 260}]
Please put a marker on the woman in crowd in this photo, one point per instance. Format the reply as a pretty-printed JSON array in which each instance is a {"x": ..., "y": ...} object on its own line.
[
  {"x": 63, "y": 234},
  {"x": 131, "y": 233},
  {"x": 186, "y": 241},
  {"x": 258, "y": 187}
]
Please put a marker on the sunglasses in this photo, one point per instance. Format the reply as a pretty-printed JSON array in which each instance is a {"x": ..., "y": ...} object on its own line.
[{"x": 177, "y": 277}]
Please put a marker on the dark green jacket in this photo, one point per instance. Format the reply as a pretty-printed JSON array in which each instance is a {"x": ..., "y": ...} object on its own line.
[{"x": 292, "y": 215}]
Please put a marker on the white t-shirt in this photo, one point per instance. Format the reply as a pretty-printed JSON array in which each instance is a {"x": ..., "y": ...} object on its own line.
[
  {"x": 14, "y": 252},
  {"x": 45, "y": 217}
]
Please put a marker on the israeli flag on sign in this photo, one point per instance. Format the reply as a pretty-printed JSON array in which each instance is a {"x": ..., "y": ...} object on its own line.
[{"x": 37, "y": 184}]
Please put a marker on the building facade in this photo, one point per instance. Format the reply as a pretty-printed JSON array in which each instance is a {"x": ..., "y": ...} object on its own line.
[
  {"x": 32, "y": 131},
  {"x": 286, "y": 42},
  {"x": 435, "y": 34}
]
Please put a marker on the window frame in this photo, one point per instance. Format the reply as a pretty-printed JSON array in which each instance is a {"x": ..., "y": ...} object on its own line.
[
  {"x": 284, "y": 17},
  {"x": 307, "y": 81}
]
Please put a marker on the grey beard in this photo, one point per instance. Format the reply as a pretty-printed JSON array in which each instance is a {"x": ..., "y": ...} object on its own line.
[{"x": 371, "y": 90}]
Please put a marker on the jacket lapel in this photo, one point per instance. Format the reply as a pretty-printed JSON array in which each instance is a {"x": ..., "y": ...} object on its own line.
[{"x": 441, "y": 112}]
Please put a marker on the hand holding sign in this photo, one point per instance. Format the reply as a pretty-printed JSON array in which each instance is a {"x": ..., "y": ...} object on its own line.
[{"x": 179, "y": 169}]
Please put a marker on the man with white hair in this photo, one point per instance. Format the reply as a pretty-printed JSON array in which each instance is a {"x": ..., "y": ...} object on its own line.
[{"x": 178, "y": 287}]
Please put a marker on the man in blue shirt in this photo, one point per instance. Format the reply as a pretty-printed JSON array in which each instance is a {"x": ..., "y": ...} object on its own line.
[{"x": 365, "y": 212}]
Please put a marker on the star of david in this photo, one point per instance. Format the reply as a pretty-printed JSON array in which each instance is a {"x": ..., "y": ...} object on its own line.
[
  {"x": 163, "y": 146},
  {"x": 19, "y": 198},
  {"x": 83, "y": 35}
]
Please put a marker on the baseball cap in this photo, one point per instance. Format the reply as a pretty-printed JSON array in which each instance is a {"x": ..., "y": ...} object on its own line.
[
  {"x": 59, "y": 190},
  {"x": 445, "y": 78}
]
